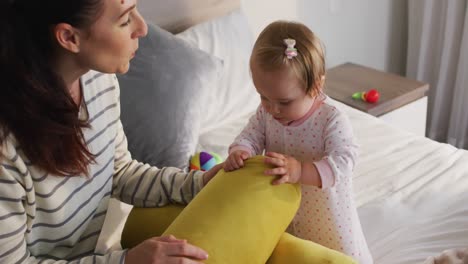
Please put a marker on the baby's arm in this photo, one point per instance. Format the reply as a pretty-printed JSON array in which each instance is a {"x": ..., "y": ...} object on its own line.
[
  {"x": 341, "y": 150},
  {"x": 291, "y": 170},
  {"x": 235, "y": 160},
  {"x": 250, "y": 142},
  {"x": 338, "y": 161}
]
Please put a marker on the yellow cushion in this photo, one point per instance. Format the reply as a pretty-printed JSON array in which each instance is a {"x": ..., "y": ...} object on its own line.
[
  {"x": 227, "y": 224},
  {"x": 144, "y": 223},
  {"x": 291, "y": 249},
  {"x": 238, "y": 217}
]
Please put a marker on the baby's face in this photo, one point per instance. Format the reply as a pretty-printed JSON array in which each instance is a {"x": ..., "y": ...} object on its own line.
[{"x": 282, "y": 94}]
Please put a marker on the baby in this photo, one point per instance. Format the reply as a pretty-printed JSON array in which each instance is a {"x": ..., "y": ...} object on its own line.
[{"x": 305, "y": 137}]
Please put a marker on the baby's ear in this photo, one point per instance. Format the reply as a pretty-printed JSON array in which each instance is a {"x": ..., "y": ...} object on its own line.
[
  {"x": 318, "y": 86},
  {"x": 322, "y": 81}
]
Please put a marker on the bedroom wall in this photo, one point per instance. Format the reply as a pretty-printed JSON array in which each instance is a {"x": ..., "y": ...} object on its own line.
[{"x": 368, "y": 32}]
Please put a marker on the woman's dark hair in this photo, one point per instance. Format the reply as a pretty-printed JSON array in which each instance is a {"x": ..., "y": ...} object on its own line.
[{"x": 35, "y": 105}]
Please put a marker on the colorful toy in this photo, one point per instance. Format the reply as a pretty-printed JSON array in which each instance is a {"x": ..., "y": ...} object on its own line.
[
  {"x": 371, "y": 96},
  {"x": 204, "y": 161}
]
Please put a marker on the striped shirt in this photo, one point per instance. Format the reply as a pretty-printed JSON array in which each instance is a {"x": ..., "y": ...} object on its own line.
[{"x": 45, "y": 218}]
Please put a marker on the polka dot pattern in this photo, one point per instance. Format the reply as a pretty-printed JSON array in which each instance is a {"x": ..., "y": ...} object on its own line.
[{"x": 327, "y": 216}]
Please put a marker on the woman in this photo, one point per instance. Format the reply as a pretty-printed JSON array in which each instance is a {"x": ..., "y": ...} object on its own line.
[{"x": 63, "y": 151}]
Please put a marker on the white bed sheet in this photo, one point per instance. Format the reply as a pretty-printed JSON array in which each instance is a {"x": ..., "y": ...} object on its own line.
[{"x": 411, "y": 191}]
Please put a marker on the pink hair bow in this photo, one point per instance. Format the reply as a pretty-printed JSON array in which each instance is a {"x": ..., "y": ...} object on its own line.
[{"x": 290, "y": 51}]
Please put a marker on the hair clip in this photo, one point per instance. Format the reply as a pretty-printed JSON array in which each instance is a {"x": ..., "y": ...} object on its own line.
[{"x": 290, "y": 51}]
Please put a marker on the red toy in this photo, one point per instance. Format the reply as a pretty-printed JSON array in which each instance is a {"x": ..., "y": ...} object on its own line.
[{"x": 371, "y": 96}]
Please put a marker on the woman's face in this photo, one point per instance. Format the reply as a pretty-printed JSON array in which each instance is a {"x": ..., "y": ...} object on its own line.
[{"x": 111, "y": 42}]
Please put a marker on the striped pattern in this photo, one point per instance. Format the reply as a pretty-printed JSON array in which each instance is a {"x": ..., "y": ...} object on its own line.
[{"x": 44, "y": 218}]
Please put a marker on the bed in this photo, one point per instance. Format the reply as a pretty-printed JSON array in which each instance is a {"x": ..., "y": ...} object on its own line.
[{"x": 411, "y": 191}]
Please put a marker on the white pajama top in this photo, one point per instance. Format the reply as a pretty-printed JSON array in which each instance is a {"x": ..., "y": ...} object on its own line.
[{"x": 324, "y": 136}]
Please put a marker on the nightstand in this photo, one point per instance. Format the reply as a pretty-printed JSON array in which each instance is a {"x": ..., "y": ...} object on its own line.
[{"x": 402, "y": 103}]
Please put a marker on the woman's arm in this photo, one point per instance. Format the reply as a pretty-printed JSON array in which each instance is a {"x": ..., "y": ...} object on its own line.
[
  {"x": 17, "y": 199},
  {"x": 147, "y": 186}
]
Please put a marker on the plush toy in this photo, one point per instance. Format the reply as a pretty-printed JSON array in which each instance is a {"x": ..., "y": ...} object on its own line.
[
  {"x": 371, "y": 96},
  {"x": 204, "y": 161}
]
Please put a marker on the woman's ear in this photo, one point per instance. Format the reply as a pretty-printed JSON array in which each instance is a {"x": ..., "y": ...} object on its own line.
[{"x": 67, "y": 37}]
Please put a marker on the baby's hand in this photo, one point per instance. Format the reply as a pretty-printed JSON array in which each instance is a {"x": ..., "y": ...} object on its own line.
[
  {"x": 236, "y": 160},
  {"x": 288, "y": 168}
]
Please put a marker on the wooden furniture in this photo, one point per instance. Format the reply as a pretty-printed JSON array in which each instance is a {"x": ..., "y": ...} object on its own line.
[{"x": 403, "y": 102}]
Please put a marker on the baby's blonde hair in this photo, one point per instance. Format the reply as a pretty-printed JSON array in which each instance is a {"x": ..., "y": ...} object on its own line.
[{"x": 309, "y": 64}]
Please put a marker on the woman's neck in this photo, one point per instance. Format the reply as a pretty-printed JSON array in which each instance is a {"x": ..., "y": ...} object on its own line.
[
  {"x": 75, "y": 91},
  {"x": 71, "y": 73}
]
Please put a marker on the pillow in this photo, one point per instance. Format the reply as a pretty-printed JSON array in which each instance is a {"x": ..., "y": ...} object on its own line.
[
  {"x": 229, "y": 38},
  {"x": 161, "y": 98},
  {"x": 143, "y": 223},
  {"x": 238, "y": 217},
  {"x": 291, "y": 249}
]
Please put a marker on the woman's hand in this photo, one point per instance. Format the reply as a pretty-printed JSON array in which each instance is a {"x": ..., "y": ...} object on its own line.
[
  {"x": 211, "y": 173},
  {"x": 165, "y": 250},
  {"x": 288, "y": 168},
  {"x": 236, "y": 160}
]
